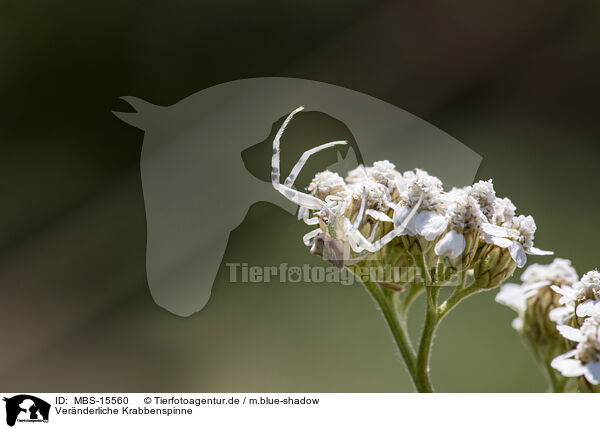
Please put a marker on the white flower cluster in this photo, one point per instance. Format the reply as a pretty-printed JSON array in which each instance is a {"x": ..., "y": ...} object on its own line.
[
  {"x": 328, "y": 183},
  {"x": 573, "y": 308},
  {"x": 582, "y": 298},
  {"x": 580, "y": 301},
  {"x": 536, "y": 278},
  {"x": 584, "y": 359},
  {"x": 445, "y": 218}
]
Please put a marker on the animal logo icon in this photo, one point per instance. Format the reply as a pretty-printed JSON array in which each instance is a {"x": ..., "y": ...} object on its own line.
[
  {"x": 26, "y": 408},
  {"x": 206, "y": 159}
]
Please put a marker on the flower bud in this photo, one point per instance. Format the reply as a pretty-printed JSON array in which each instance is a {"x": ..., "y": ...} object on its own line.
[
  {"x": 494, "y": 261},
  {"x": 537, "y": 326}
]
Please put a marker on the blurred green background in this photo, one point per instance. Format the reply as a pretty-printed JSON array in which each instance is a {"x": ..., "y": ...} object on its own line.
[{"x": 516, "y": 81}]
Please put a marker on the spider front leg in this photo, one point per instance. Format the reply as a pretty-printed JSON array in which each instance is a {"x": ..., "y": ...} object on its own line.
[
  {"x": 289, "y": 181},
  {"x": 308, "y": 237},
  {"x": 304, "y": 214},
  {"x": 300, "y": 198},
  {"x": 361, "y": 211}
]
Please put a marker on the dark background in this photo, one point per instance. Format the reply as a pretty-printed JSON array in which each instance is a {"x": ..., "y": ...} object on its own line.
[{"x": 516, "y": 81}]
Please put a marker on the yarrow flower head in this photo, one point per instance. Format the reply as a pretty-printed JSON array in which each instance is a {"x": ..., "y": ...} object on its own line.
[
  {"x": 430, "y": 187},
  {"x": 504, "y": 211},
  {"x": 464, "y": 216},
  {"x": 517, "y": 236},
  {"x": 584, "y": 359},
  {"x": 408, "y": 218},
  {"x": 578, "y": 321},
  {"x": 582, "y": 298},
  {"x": 484, "y": 194},
  {"x": 430, "y": 220},
  {"x": 534, "y": 299},
  {"x": 378, "y": 199},
  {"x": 559, "y": 316},
  {"x": 384, "y": 172},
  {"x": 328, "y": 183}
]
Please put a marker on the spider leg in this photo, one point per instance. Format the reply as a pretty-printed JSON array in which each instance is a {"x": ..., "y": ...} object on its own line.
[
  {"x": 294, "y": 173},
  {"x": 276, "y": 145},
  {"x": 378, "y": 215},
  {"x": 299, "y": 198},
  {"x": 372, "y": 236},
  {"x": 361, "y": 241},
  {"x": 307, "y": 239},
  {"x": 293, "y": 195},
  {"x": 303, "y": 214},
  {"x": 361, "y": 211},
  {"x": 359, "y": 258},
  {"x": 397, "y": 231},
  {"x": 358, "y": 243}
]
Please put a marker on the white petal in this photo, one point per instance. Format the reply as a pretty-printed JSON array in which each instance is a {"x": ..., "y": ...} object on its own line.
[
  {"x": 595, "y": 310},
  {"x": 430, "y": 224},
  {"x": 563, "y": 300},
  {"x": 585, "y": 309},
  {"x": 498, "y": 241},
  {"x": 570, "y": 333},
  {"x": 557, "y": 289},
  {"x": 560, "y": 314},
  {"x": 568, "y": 294},
  {"x": 568, "y": 367},
  {"x": 389, "y": 204},
  {"x": 592, "y": 372},
  {"x": 536, "y": 251},
  {"x": 535, "y": 286},
  {"x": 518, "y": 254},
  {"x": 512, "y": 296},
  {"x": 451, "y": 245},
  {"x": 567, "y": 355},
  {"x": 377, "y": 215},
  {"x": 495, "y": 230}
]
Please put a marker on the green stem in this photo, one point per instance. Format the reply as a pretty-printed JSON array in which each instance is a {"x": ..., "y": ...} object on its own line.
[
  {"x": 413, "y": 293},
  {"x": 433, "y": 317},
  {"x": 395, "y": 312},
  {"x": 424, "y": 270},
  {"x": 400, "y": 337},
  {"x": 385, "y": 301},
  {"x": 457, "y": 297},
  {"x": 462, "y": 280},
  {"x": 431, "y": 322}
]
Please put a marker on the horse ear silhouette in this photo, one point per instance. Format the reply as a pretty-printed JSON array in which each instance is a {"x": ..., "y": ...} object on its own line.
[{"x": 144, "y": 114}]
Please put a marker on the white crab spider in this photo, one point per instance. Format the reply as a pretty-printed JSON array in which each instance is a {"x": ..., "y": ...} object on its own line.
[{"x": 341, "y": 234}]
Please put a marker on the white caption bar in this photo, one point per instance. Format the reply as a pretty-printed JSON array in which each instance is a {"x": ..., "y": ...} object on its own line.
[{"x": 295, "y": 410}]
